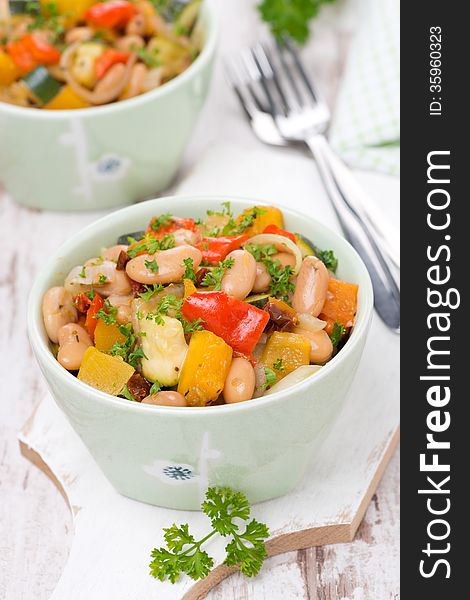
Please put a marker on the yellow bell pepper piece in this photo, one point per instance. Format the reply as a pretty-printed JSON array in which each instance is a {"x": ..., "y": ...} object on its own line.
[
  {"x": 292, "y": 348},
  {"x": 8, "y": 69},
  {"x": 189, "y": 288},
  {"x": 66, "y": 99},
  {"x": 72, "y": 11},
  {"x": 205, "y": 368},
  {"x": 270, "y": 216},
  {"x": 107, "y": 335},
  {"x": 104, "y": 372}
]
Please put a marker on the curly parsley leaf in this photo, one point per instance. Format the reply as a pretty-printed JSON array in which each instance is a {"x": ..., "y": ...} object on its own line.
[
  {"x": 156, "y": 387},
  {"x": 151, "y": 265},
  {"x": 337, "y": 334},
  {"x": 184, "y": 554},
  {"x": 270, "y": 380},
  {"x": 290, "y": 17},
  {"x": 150, "y": 291},
  {"x": 279, "y": 365},
  {"x": 214, "y": 277},
  {"x": 189, "y": 272},
  {"x": 328, "y": 258},
  {"x": 107, "y": 313}
]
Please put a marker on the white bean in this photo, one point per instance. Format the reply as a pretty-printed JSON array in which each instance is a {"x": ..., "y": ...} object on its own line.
[
  {"x": 311, "y": 286},
  {"x": 57, "y": 310},
  {"x": 238, "y": 281},
  {"x": 167, "y": 268},
  {"x": 166, "y": 398},
  {"x": 240, "y": 382}
]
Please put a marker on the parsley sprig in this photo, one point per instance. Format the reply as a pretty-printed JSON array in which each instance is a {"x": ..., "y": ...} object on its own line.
[
  {"x": 189, "y": 272},
  {"x": 213, "y": 278},
  {"x": 270, "y": 378},
  {"x": 337, "y": 334},
  {"x": 150, "y": 291},
  {"x": 107, "y": 313},
  {"x": 184, "y": 554},
  {"x": 128, "y": 350},
  {"x": 150, "y": 245},
  {"x": 280, "y": 285},
  {"x": 328, "y": 258},
  {"x": 290, "y": 17}
]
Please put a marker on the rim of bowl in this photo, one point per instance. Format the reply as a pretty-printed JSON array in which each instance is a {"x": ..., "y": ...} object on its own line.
[
  {"x": 204, "y": 57},
  {"x": 34, "y": 316}
]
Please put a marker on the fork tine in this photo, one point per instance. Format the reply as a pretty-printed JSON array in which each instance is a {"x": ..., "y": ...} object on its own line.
[
  {"x": 270, "y": 71},
  {"x": 300, "y": 68},
  {"x": 239, "y": 79},
  {"x": 296, "y": 96},
  {"x": 259, "y": 71}
]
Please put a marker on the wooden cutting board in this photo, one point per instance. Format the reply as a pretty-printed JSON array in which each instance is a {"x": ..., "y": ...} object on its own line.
[{"x": 115, "y": 535}]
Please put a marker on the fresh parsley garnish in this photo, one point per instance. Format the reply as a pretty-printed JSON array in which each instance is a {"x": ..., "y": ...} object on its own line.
[
  {"x": 82, "y": 273},
  {"x": 150, "y": 59},
  {"x": 280, "y": 285},
  {"x": 150, "y": 245},
  {"x": 126, "y": 349},
  {"x": 102, "y": 279},
  {"x": 270, "y": 380},
  {"x": 126, "y": 393},
  {"x": 214, "y": 277},
  {"x": 328, "y": 258},
  {"x": 228, "y": 511},
  {"x": 90, "y": 294},
  {"x": 107, "y": 313},
  {"x": 162, "y": 221},
  {"x": 278, "y": 365},
  {"x": 189, "y": 272},
  {"x": 168, "y": 303},
  {"x": 246, "y": 220},
  {"x": 339, "y": 330},
  {"x": 150, "y": 291},
  {"x": 190, "y": 326},
  {"x": 261, "y": 251},
  {"x": 156, "y": 387},
  {"x": 290, "y": 17},
  {"x": 151, "y": 265}
]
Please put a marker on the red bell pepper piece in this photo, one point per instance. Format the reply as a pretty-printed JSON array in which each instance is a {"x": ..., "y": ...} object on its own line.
[
  {"x": 278, "y": 231},
  {"x": 109, "y": 58},
  {"x": 215, "y": 249},
  {"x": 42, "y": 52},
  {"x": 32, "y": 50},
  {"x": 238, "y": 323},
  {"x": 90, "y": 323},
  {"x": 174, "y": 224},
  {"x": 116, "y": 13}
]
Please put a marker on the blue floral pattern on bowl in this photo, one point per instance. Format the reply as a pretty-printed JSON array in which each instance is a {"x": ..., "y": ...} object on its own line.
[{"x": 178, "y": 472}]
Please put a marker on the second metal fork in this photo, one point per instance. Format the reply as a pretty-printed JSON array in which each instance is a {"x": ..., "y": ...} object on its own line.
[{"x": 284, "y": 108}]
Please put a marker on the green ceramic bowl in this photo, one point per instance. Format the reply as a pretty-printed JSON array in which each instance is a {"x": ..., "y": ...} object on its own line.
[
  {"x": 106, "y": 156},
  {"x": 168, "y": 456}
]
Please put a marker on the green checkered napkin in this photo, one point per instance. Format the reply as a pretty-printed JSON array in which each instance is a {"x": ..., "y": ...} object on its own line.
[{"x": 366, "y": 125}]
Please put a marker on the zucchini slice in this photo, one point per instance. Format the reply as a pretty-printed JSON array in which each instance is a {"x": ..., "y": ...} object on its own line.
[
  {"x": 22, "y": 7},
  {"x": 43, "y": 86},
  {"x": 258, "y": 300},
  {"x": 137, "y": 235},
  {"x": 305, "y": 246}
]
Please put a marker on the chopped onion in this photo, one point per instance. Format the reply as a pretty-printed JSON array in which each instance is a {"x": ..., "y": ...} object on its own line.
[
  {"x": 82, "y": 277},
  {"x": 295, "y": 377},
  {"x": 309, "y": 322},
  {"x": 281, "y": 243}
]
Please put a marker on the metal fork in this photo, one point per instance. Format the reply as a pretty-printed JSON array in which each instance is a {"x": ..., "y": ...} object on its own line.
[{"x": 284, "y": 108}]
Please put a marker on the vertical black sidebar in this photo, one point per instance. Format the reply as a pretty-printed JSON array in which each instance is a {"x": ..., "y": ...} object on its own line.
[{"x": 435, "y": 351}]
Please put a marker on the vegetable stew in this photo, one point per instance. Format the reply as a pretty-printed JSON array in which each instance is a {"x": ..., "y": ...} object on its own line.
[
  {"x": 201, "y": 312},
  {"x": 69, "y": 54}
]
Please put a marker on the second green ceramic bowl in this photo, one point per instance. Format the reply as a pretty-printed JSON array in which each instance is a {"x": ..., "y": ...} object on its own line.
[
  {"x": 106, "y": 156},
  {"x": 168, "y": 456}
]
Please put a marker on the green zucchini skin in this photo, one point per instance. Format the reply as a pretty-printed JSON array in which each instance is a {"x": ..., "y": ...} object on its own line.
[
  {"x": 20, "y": 7},
  {"x": 306, "y": 247},
  {"x": 258, "y": 300},
  {"x": 137, "y": 235},
  {"x": 42, "y": 84}
]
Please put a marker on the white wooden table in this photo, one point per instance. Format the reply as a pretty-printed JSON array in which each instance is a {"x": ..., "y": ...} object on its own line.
[{"x": 35, "y": 525}]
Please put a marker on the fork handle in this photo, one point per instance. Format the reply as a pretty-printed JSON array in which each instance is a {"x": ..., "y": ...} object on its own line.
[
  {"x": 361, "y": 236},
  {"x": 384, "y": 235}
]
